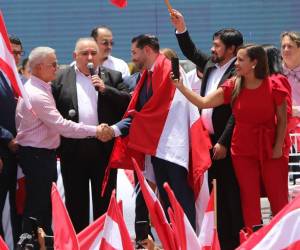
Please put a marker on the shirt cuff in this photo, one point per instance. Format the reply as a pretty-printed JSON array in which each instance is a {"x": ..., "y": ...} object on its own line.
[
  {"x": 177, "y": 32},
  {"x": 117, "y": 131}
]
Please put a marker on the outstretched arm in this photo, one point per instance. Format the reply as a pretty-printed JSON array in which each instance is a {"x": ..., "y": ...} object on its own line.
[{"x": 212, "y": 100}]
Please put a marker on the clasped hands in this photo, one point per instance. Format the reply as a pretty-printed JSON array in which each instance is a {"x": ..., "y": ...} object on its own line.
[{"x": 104, "y": 132}]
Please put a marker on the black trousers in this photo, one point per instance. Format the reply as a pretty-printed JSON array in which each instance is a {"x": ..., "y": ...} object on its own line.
[
  {"x": 176, "y": 177},
  {"x": 39, "y": 167},
  {"x": 8, "y": 179},
  {"x": 87, "y": 163},
  {"x": 229, "y": 211},
  {"x": 141, "y": 222}
]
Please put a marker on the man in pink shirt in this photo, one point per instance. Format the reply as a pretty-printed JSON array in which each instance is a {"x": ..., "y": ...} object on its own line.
[{"x": 38, "y": 134}]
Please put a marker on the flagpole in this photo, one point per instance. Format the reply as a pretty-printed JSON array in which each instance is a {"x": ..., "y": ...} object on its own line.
[{"x": 215, "y": 202}]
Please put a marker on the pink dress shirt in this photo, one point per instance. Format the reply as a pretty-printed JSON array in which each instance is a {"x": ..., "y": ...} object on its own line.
[{"x": 42, "y": 127}]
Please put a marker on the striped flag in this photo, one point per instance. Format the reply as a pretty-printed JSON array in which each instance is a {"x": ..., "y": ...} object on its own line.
[
  {"x": 63, "y": 230},
  {"x": 157, "y": 215},
  {"x": 283, "y": 232},
  {"x": 8, "y": 65},
  {"x": 115, "y": 234},
  {"x": 185, "y": 235},
  {"x": 208, "y": 237}
]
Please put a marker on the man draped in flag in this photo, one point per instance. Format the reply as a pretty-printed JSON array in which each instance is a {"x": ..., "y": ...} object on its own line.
[
  {"x": 156, "y": 130},
  {"x": 10, "y": 55}
]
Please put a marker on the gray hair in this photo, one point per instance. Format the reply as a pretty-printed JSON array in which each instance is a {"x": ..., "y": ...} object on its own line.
[
  {"x": 37, "y": 55},
  {"x": 84, "y": 39}
]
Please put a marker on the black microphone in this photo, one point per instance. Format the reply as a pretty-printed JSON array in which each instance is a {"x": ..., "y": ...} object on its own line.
[{"x": 90, "y": 66}]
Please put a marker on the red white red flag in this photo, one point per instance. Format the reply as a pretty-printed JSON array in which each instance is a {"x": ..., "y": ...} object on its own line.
[
  {"x": 63, "y": 230},
  {"x": 8, "y": 65},
  {"x": 208, "y": 237},
  {"x": 185, "y": 235},
  {"x": 283, "y": 232},
  {"x": 157, "y": 215},
  {"x": 115, "y": 234}
]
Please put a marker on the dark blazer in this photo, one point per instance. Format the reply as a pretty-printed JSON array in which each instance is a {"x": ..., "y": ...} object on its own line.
[
  {"x": 111, "y": 104},
  {"x": 221, "y": 114},
  {"x": 7, "y": 114}
]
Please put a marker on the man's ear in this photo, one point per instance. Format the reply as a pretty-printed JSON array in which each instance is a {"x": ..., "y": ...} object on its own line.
[{"x": 74, "y": 55}]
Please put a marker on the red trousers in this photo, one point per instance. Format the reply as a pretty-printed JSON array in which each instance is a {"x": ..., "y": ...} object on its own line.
[{"x": 250, "y": 173}]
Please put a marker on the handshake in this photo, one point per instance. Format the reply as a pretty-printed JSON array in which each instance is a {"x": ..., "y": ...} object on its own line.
[{"x": 104, "y": 132}]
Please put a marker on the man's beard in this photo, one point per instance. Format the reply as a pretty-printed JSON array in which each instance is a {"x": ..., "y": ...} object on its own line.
[{"x": 217, "y": 59}]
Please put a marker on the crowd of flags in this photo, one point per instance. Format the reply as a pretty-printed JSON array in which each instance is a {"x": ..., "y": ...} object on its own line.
[{"x": 110, "y": 232}]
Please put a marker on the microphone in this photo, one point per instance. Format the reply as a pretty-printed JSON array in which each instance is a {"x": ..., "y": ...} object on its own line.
[
  {"x": 72, "y": 113},
  {"x": 90, "y": 66}
]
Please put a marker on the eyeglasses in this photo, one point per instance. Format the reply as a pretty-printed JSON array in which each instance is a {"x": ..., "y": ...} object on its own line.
[
  {"x": 18, "y": 53},
  {"x": 86, "y": 53},
  {"x": 106, "y": 43},
  {"x": 54, "y": 64}
]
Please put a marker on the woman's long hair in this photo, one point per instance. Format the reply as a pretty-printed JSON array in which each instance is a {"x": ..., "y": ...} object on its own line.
[{"x": 261, "y": 71}]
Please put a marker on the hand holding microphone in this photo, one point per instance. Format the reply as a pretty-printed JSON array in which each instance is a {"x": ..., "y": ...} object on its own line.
[{"x": 96, "y": 80}]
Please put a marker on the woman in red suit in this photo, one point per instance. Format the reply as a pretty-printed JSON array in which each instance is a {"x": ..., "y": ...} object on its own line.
[{"x": 259, "y": 108}]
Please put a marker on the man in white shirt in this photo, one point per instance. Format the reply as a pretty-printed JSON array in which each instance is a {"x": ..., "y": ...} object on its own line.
[{"x": 104, "y": 39}]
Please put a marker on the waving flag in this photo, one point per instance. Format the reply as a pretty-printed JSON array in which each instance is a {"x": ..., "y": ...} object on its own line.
[
  {"x": 186, "y": 236},
  {"x": 3, "y": 245},
  {"x": 208, "y": 237},
  {"x": 64, "y": 233},
  {"x": 115, "y": 234},
  {"x": 119, "y": 3},
  {"x": 283, "y": 232},
  {"x": 8, "y": 65},
  {"x": 156, "y": 212}
]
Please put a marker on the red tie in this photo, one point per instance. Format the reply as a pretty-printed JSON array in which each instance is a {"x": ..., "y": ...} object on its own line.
[{"x": 149, "y": 80}]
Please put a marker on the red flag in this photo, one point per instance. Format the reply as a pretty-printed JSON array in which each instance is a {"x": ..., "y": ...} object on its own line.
[
  {"x": 90, "y": 237},
  {"x": 209, "y": 236},
  {"x": 20, "y": 193},
  {"x": 115, "y": 234},
  {"x": 187, "y": 238},
  {"x": 157, "y": 214},
  {"x": 3, "y": 245},
  {"x": 8, "y": 65},
  {"x": 281, "y": 233},
  {"x": 119, "y": 3},
  {"x": 64, "y": 233}
]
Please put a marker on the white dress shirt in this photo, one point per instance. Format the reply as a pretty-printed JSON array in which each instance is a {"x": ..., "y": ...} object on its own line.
[
  {"x": 87, "y": 98},
  {"x": 117, "y": 64},
  {"x": 213, "y": 81}
]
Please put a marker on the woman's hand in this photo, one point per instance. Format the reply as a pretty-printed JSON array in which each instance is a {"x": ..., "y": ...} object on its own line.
[
  {"x": 277, "y": 152},
  {"x": 177, "y": 82}
]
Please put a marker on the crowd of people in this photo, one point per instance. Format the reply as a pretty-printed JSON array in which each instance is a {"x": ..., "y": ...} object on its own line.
[{"x": 93, "y": 114}]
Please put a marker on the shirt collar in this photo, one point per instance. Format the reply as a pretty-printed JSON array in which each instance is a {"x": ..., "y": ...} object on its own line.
[
  {"x": 226, "y": 65},
  {"x": 40, "y": 82}
]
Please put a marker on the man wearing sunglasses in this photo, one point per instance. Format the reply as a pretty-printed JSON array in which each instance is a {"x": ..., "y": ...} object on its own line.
[{"x": 104, "y": 39}]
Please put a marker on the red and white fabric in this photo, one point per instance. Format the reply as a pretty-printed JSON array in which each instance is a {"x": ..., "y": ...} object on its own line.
[
  {"x": 185, "y": 235},
  {"x": 3, "y": 245},
  {"x": 157, "y": 215},
  {"x": 8, "y": 65},
  {"x": 115, "y": 235},
  {"x": 208, "y": 237},
  {"x": 283, "y": 232},
  {"x": 64, "y": 234}
]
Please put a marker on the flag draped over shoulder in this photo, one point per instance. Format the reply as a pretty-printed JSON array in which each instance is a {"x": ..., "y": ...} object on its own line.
[
  {"x": 283, "y": 232},
  {"x": 8, "y": 65},
  {"x": 119, "y": 3},
  {"x": 63, "y": 230}
]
